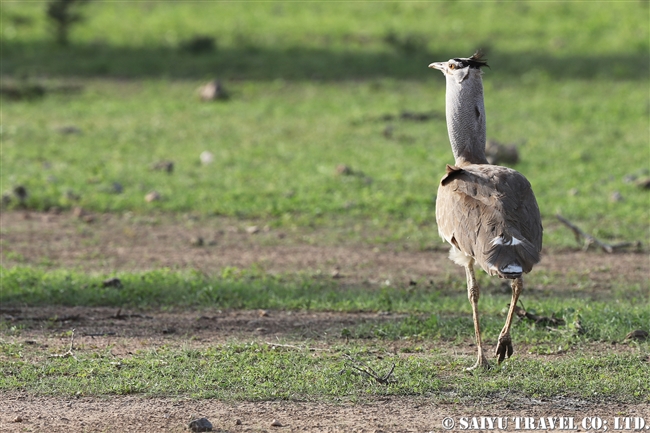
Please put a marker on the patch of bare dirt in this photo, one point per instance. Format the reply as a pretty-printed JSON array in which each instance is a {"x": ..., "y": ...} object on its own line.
[
  {"x": 398, "y": 414},
  {"x": 112, "y": 243}
]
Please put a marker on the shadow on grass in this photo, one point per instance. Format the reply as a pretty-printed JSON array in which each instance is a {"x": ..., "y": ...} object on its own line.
[{"x": 294, "y": 63}]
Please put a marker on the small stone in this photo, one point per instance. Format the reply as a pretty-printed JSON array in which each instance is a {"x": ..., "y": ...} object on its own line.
[
  {"x": 616, "y": 197},
  {"x": 18, "y": 419},
  {"x": 206, "y": 157},
  {"x": 238, "y": 422},
  {"x": 112, "y": 282},
  {"x": 201, "y": 424},
  {"x": 252, "y": 230},
  {"x": 344, "y": 170},
  {"x": 78, "y": 211},
  {"x": 336, "y": 273},
  {"x": 643, "y": 183},
  {"x": 69, "y": 130},
  {"x": 152, "y": 196},
  {"x": 167, "y": 166},
  {"x": 20, "y": 192},
  {"x": 638, "y": 334},
  {"x": 71, "y": 195},
  {"x": 197, "y": 241},
  {"x": 276, "y": 423},
  {"x": 263, "y": 313},
  {"x": 497, "y": 153},
  {"x": 213, "y": 91}
]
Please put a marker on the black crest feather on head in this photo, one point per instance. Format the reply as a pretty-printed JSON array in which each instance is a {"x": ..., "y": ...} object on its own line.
[{"x": 476, "y": 61}]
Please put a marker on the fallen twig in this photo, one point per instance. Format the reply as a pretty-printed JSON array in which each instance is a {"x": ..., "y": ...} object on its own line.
[
  {"x": 368, "y": 371},
  {"x": 540, "y": 320},
  {"x": 588, "y": 239},
  {"x": 291, "y": 346},
  {"x": 98, "y": 334},
  {"x": 69, "y": 352}
]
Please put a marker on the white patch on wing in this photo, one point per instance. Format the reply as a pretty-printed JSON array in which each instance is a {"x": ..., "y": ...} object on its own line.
[
  {"x": 499, "y": 241},
  {"x": 459, "y": 257},
  {"x": 512, "y": 269}
]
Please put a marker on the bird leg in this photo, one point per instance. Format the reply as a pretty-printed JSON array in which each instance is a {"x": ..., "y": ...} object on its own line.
[
  {"x": 504, "y": 346},
  {"x": 473, "y": 295}
]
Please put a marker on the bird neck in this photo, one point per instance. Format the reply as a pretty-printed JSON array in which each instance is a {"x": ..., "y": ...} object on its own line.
[{"x": 466, "y": 118}]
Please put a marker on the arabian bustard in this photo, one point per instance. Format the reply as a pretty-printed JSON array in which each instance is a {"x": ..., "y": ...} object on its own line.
[{"x": 486, "y": 212}]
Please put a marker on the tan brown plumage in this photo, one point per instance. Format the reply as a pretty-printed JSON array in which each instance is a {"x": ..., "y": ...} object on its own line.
[
  {"x": 481, "y": 203},
  {"x": 487, "y": 213}
]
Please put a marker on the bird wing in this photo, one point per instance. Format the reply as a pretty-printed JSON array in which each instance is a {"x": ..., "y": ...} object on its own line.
[{"x": 490, "y": 213}]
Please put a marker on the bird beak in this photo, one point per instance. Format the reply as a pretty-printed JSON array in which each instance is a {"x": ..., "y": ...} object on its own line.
[{"x": 438, "y": 65}]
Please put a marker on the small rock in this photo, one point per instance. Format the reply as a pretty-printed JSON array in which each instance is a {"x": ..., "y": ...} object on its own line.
[
  {"x": 199, "y": 44},
  {"x": 69, "y": 130},
  {"x": 78, "y": 212},
  {"x": 167, "y": 166},
  {"x": 206, "y": 157},
  {"x": 336, "y": 273},
  {"x": 152, "y": 196},
  {"x": 616, "y": 197},
  {"x": 263, "y": 313},
  {"x": 201, "y": 424},
  {"x": 18, "y": 419},
  {"x": 643, "y": 183},
  {"x": 20, "y": 192},
  {"x": 276, "y": 423},
  {"x": 112, "y": 282},
  {"x": 344, "y": 170},
  {"x": 638, "y": 334},
  {"x": 71, "y": 195},
  {"x": 238, "y": 421},
  {"x": 213, "y": 91},
  {"x": 6, "y": 199},
  {"x": 252, "y": 230},
  {"x": 197, "y": 241},
  {"x": 497, "y": 153}
]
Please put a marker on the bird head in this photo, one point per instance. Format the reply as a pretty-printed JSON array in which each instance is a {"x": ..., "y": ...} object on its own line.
[{"x": 461, "y": 68}]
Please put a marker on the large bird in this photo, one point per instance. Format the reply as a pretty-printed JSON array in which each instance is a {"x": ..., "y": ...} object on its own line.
[{"x": 487, "y": 213}]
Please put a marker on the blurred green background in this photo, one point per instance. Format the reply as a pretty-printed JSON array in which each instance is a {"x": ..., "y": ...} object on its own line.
[{"x": 316, "y": 86}]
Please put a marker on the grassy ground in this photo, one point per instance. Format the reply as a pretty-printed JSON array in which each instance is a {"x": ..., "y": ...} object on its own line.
[
  {"x": 318, "y": 92},
  {"x": 313, "y": 86},
  {"x": 429, "y": 322}
]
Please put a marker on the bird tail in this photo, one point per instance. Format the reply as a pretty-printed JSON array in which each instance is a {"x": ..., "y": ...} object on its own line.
[{"x": 510, "y": 256}]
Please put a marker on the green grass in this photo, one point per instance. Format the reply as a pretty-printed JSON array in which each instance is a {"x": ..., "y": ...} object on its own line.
[
  {"x": 439, "y": 310},
  {"x": 309, "y": 83},
  {"x": 262, "y": 372}
]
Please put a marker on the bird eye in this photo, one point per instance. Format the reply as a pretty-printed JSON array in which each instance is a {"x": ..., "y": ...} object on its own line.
[{"x": 452, "y": 66}]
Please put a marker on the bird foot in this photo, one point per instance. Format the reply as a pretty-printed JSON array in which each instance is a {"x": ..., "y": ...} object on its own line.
[
  {"x": 481, "y": 363},
  {"x": 504, "y": 348}
]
